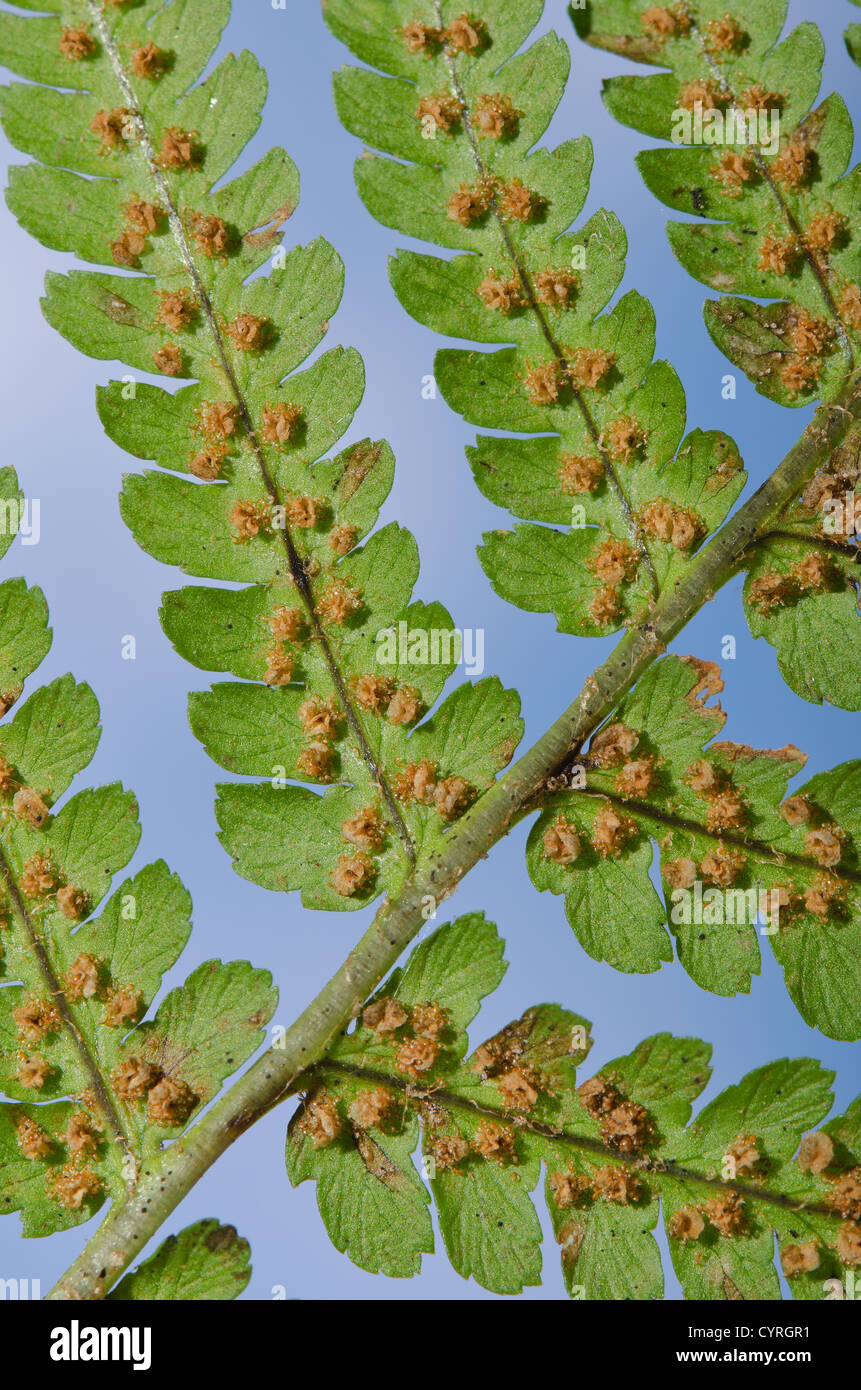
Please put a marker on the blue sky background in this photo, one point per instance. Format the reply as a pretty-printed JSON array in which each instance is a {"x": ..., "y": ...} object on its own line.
[{"x": 101, "y": 587}]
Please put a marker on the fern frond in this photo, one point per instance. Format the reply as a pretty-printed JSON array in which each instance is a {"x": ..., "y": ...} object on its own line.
[
  {"x": 94, "y": 1089},
  {"x": 781, "y": 211},
  {"x": 344, "y": 666},
  {"x": 740, "y": 857},
  {"x": 616, "y": 1148},
  {"x": 780, "y": 208},
  {"x": 607, "y": 459},
  {"x": 339, "y": 666}
]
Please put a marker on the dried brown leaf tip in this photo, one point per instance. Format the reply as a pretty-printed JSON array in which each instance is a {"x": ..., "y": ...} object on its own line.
[
  {"x": 561, "y": 842},
  {"x": 442, "y": 109},
  {"x": 495, "y": 116},
  {"x": 176, "y": 309},
  {"x": 178, "y": 149},
  {"x": 77, "y": 43},
  {"x": 150, "y": 61},
  {"x": 112, "y": 127},
  {"x": 353, "y": 874}
]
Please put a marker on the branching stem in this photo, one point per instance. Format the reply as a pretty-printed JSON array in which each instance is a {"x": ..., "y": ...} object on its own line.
[{"x": 436, "y": 877}]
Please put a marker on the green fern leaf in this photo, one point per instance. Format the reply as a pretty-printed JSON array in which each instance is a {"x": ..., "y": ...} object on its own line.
[
  {"x": 204, "y": 1262},
  {"x": 93, "y": 1090},
  {"x": 614, "y": 1148},
  {"x": 779, "y": 195},
  {"x": 611, "y": 463},
  {"x": 778, "y": 227},
  {"x": 342, "y": 666},
  {"x": 740, "y": 858}
]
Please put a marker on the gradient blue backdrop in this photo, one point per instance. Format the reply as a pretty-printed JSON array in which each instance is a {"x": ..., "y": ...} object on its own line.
[{"x": 101, "y": 587}]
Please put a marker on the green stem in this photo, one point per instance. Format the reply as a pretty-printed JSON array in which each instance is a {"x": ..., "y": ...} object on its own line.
[{"x": 274, "y": 1076}]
